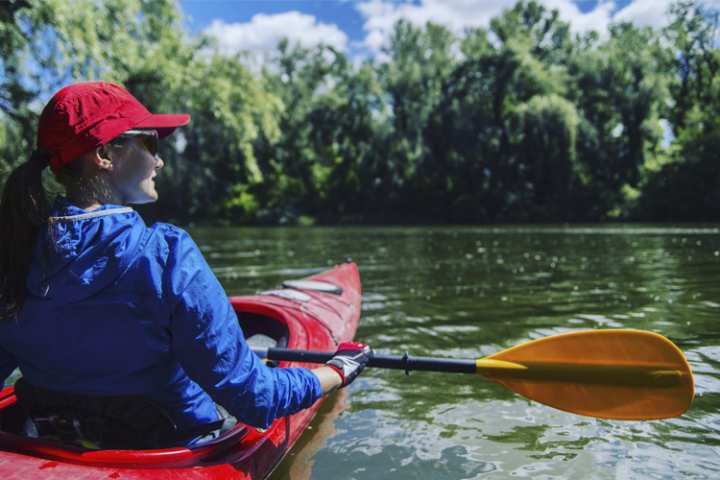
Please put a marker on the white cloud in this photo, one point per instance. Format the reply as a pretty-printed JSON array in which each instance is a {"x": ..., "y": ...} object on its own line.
[
  {"x": 646, "y": 13},
  {"x": 596, "y": 19},
  {"x": 652, "y": 13},
  {"x": 263, "y": 32},
  {"x": 381, "y": 15}
]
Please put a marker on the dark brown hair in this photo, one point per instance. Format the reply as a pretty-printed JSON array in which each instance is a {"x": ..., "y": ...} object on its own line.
[{"x": 24, "y": 209}]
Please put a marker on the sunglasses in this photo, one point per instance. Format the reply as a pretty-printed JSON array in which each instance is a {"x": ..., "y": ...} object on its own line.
[{"x": 149, "y": 139}]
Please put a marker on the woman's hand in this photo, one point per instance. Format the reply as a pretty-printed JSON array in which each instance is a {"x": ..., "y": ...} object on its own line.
[{"x": 349, "y": 360}]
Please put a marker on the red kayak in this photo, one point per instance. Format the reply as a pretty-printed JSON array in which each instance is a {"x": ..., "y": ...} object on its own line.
[{"x": 315, "y": 313}]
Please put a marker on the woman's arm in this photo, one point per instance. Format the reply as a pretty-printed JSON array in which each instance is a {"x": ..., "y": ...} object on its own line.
[
  {"x": 329, "y": 379},
  {"x": 210, "y": 346}
]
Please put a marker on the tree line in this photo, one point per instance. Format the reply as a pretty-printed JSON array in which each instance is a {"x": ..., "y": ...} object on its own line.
[{"x": 522, "y": 121}]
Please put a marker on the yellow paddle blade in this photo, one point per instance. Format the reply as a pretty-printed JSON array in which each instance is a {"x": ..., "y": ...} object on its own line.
[{"x": 619, "y": 374}]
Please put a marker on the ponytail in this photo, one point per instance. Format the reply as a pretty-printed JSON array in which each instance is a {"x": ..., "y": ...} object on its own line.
[{"x": 23, "y": 211}]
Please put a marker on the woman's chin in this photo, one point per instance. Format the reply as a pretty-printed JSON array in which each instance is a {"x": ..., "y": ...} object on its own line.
[{"x": 148, "y": 196}]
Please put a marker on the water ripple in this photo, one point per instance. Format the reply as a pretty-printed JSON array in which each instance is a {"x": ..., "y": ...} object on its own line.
[{"x": 472, "y": 291}]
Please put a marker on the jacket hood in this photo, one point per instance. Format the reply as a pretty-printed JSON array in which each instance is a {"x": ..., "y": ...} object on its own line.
[{"x": 81, "y": 252}]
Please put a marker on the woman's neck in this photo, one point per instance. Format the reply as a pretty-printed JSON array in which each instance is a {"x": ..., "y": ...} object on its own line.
[{"x": 92, "y": 193}]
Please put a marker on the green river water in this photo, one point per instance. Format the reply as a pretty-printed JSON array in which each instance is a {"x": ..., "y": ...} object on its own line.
[{"x": 469, "y": 292}]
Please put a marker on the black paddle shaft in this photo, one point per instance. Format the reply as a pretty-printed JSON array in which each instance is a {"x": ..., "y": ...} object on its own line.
[{"x": 396, "y": 362}]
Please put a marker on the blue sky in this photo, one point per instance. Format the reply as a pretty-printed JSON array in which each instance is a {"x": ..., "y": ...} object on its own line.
[
  {"x": 363, "y": 26},
  {"x": 342, "y": 13}
]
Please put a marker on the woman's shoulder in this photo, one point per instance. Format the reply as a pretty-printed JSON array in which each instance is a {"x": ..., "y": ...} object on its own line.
[
  {"x": 172, "y": 239},
  {"x": 170, "y": 232},
  {"x": 178, "y": 255}
]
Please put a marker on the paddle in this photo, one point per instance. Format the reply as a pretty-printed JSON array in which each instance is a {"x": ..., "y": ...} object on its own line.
[{"x": 617, "y": 374}]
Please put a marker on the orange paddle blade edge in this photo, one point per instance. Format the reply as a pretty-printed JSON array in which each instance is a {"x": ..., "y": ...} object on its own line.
[{"x": 619, "y": 374}]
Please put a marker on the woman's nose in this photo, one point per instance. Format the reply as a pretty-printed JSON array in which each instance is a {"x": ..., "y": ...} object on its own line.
[{"x": 159, "y": 162}]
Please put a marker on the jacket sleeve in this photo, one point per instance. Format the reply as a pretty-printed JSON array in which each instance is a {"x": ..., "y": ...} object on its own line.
[
  {"x": 211, "y": 348},
  {"x": 7, "y": 365}
]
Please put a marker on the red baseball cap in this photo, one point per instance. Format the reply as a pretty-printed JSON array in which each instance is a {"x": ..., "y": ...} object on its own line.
[{"x": 83, "y": 116}]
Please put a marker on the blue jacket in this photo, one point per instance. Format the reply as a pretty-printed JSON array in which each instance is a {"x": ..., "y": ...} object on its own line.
[{"x": 118, "y": 308}]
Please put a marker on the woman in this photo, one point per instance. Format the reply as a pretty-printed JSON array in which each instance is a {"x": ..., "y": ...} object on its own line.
[{"x": 104, "y": 314}]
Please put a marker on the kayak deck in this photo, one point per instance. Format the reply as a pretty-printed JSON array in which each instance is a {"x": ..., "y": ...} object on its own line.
[{"x": 301, "y": 316}]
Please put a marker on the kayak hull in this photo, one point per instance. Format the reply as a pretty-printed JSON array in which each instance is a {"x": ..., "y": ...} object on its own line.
[{"x": 308, "y": 318}]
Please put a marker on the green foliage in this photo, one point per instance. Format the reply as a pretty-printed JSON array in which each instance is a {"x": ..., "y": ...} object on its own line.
[
  {"x": 419, "y": 60},
  {"x": 234, "y": 110},
  {"x": 683, "y": 183},
  {"x": 546, "y": 137},
  {"x": 619, "y": 88},
  {"x": 471, "y": 131},
  {"x": 686, "y": 189},
  {"x": 522, "y": 121},
  {"x": 696, "y": 62}
]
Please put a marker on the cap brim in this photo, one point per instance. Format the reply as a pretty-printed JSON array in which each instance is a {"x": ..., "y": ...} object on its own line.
[{"x": 164, "y": 123}]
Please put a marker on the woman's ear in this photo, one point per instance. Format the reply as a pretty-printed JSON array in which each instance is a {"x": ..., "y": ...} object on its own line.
[{"x": 101, "y": 158}]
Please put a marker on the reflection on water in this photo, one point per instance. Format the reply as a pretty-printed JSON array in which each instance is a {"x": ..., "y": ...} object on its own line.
[
  {"x": 471, "y": 291},
  {"x": 298, "y": 465}
]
